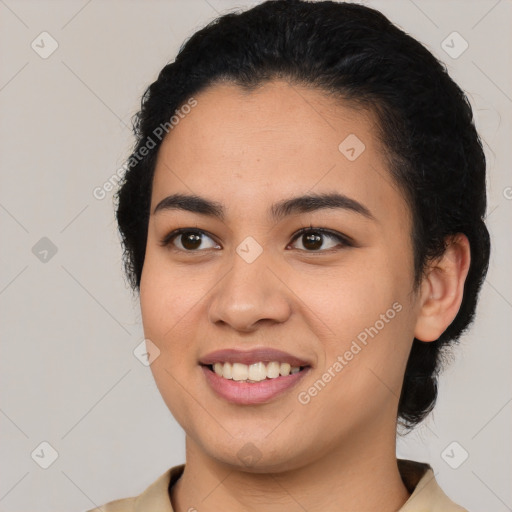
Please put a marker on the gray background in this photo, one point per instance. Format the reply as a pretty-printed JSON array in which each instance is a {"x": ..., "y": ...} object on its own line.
[{"x": 69, "y": 324}]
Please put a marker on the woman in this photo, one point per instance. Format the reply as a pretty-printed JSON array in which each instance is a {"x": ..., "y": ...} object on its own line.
[{"x": 302, "y": 216}]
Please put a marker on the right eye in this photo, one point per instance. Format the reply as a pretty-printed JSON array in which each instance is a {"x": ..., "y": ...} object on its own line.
[{"x": 189, "y": 239}]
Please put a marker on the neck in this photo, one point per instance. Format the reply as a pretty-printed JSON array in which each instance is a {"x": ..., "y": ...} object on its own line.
[{"x": 363, "y": 476}]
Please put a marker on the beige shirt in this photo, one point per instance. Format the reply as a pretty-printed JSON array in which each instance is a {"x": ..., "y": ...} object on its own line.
[{"x": 419, "y": 479}]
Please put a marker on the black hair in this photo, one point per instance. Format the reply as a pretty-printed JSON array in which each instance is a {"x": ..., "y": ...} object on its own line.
[{"x": 354, "y": 53}]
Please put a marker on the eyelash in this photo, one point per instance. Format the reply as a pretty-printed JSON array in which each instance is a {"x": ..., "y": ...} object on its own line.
[{"x": 342, "y": 239}]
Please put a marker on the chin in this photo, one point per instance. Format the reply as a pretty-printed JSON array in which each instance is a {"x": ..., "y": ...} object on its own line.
[{"x": 250, "y": 459}]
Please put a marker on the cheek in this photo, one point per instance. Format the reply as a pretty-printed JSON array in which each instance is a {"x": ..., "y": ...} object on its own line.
[
  {"x": 168, "y": 304},
  {"x": 167, "y": 301},
  {"x": 369, "y": 318},
  {"x": 169, "y": 294},
  {"x": 352, "y": 296}
]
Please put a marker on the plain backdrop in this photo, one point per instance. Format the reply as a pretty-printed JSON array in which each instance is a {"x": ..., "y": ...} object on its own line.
[{"x": 69, "y": 324}]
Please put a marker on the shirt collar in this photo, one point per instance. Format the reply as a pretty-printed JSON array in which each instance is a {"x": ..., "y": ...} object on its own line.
[{"x": 418, "y": 478}]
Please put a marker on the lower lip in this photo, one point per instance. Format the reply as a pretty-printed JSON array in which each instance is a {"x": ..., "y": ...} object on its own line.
[{"x": 247, "y": 393}]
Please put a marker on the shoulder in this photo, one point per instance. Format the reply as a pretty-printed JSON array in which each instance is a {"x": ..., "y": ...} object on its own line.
[
  {"x": 426, "y": 494},
  {"x": 154, "y": 498},
  {"x": 122, "y": 505}
]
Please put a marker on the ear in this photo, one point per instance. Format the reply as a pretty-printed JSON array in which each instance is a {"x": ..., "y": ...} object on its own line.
[{"x": 442, "y": 289}]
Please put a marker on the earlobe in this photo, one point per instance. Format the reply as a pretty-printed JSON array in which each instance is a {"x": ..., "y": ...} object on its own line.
[{"x": 442, "y": 289}]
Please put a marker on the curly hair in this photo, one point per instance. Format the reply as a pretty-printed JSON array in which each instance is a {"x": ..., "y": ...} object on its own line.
[{"x": 355, "y": 54}]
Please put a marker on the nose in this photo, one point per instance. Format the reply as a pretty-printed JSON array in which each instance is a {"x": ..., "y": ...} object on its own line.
[{"x": 250, "y": 294}]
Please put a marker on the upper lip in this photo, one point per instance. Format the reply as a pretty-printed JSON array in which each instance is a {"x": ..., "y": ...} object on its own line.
[{"x": 264, "y": 354}]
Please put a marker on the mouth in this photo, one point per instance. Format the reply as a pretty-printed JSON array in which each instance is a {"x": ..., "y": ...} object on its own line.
[
  {"x": 255, "y": 372},
  {"x": 244, "y": 388},
  {"x": 254, "y": 376}
]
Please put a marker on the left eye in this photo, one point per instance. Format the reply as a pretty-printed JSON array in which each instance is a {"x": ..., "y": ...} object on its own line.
[
  {"x": 312, "y": 239},
  {"x": 190, "y": 239}
]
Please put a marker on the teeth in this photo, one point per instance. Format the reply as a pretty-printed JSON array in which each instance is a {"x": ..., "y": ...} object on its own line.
[
  {"x": 255, "y": 372},
  {"x": 240, "y": 371},
  {"x": 225, "y": 370},
  {"x": 273, "y": 370},
  {"x": 284, "y": 369}
]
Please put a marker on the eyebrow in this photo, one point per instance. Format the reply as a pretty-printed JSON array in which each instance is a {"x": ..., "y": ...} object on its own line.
[{"x": 301, "y": 204}]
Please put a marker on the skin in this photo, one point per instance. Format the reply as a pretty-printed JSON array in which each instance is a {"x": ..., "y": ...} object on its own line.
[{"x": 247, "y": 151}]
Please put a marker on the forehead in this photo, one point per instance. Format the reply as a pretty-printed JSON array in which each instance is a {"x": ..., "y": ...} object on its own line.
[
  {"x": 276, "y": 118},
  {"x": 247, "y": 149}
]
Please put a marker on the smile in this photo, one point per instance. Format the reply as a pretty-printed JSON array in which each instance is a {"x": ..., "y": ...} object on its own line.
[
  {"x": 251, "y": 384},
  {"x": 254, "y": 372}
]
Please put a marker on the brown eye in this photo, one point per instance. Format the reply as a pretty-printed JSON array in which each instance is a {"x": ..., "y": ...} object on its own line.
[
  {"x": 313, "y": 239},
  {"x": 188, "y": 240}
]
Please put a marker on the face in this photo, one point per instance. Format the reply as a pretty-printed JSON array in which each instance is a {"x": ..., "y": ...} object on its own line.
[{"x": 337, "y": 296}]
